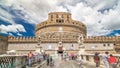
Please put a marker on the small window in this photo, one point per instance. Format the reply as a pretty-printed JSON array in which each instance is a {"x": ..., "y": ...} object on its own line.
[
  {"x": 62, "y": 16},
  {"x": 108, "y": 45},
  {"x": 51, "y": 17},
  {"x": 82, "y": 25},
  {"x": 67, "y": 17},
  {"x": 56, "y": 20},
  {"x": 104, "y": 45},
  {"x": 59, "y": 21},
  {"x": 114, "y": 44},
  {"x": 56, "y": 16}
]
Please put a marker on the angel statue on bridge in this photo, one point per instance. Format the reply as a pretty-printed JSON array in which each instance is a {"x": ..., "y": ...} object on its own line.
[{"x": 80, "y": 39}]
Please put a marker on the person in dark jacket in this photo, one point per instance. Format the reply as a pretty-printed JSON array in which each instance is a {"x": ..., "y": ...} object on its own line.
[{"x": 97, "y": 59}]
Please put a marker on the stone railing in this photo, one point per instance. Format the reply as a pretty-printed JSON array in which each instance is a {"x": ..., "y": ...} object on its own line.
[
  {"x": 42, "y": 65},
  {"x": 10, "y": 61},
  {"x": 15, "y": 61},
  {"x": 89, "y": 57}
]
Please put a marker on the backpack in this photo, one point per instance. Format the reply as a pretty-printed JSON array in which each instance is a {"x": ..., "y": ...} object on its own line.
[{"x": 96, "y": 58}]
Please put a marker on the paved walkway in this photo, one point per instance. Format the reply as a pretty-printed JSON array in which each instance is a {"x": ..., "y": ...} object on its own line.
[
  {"x": 71, "y": 64},
  {"x": 58, "y": 63}
]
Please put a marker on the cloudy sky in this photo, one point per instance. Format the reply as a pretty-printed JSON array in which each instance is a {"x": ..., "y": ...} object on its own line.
[{"x": 19, "y": 17}]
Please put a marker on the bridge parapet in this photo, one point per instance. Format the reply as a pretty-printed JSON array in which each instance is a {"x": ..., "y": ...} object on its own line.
[
  {"x": 42, "y": 65},
  {"x": 20, "y": 61},
  {"x": 11, "y": 61},
  {"x": 89, "y": 57}
]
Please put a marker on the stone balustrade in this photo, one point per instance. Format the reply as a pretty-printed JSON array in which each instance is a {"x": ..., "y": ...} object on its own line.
[
  {"x": 89, "y": 58},
  {"x": 11, "y": 61},
  {"x": 15, "y": 61},
  {"x": 42, "y": 65}
]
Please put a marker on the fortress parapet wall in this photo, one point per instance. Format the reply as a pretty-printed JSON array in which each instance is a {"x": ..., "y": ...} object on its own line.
[
  {"x": 89, "y": 39},
  {"x": 13, "y": 39},
  {"x": 102, "y": 39}
]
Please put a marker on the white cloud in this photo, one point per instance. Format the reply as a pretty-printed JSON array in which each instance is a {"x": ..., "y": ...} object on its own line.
[
  {"x": 117, "y": 34},
  {"x": 100, "y": 4},
  {"x": 4, "y": 15},
  {"x": 12, "y": 28},
  {"x": 10, "y": 34},
  {"x": 19, "y": 34},
  {"x": 100, "y": 16},
  {"x": 34, "y": 11},
  {"x": 98, "y": 23}
]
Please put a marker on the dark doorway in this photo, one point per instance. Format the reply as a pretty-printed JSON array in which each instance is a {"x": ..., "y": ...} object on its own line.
[{"x": 60, "y": 52}]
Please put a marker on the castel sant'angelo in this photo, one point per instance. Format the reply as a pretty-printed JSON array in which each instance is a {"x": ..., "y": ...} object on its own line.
[{"x": 60, "y": 33}]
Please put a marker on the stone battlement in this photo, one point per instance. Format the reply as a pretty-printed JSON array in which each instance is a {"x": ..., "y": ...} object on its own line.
[
  {"x": 107, "y": 39},
  {"x": 21, "y": 39},
  {"x": 89, "y": 39}
]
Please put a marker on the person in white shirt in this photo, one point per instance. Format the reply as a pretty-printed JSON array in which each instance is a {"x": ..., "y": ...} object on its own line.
[{"x": 105, "y": 60}]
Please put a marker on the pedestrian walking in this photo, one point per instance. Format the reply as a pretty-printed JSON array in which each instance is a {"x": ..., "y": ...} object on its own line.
[
  {"x": 80, "y": 61},
  {"x": 97, "y": 60},
  {"x": 30, "y": 58},
  {"x": 105, "y": 60},
  {"x": 48, "y": 59},
  {"x": 113, "y": 62},
  {"x": 51, "y": 61}
]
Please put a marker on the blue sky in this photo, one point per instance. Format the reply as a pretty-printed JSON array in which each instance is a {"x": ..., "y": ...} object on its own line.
[{"x": 20, "y": 17}]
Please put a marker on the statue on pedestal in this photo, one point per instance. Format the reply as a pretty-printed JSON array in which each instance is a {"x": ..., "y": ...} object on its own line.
[
  {"x": 80, "y": 43},
  {"x": 39, "y": 41},
  {"x": 38, "y": 47},
  {"x": 80, "y": 39}
]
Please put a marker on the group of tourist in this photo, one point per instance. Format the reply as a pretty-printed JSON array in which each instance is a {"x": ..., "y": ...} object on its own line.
[
  {"x": 71, "y": 56},
  {"x": 108, "y": 59},
  {"x": 40, "y": 57},
  {"x": 35, "y": 58},
  {"x": 50, "y": 61}
]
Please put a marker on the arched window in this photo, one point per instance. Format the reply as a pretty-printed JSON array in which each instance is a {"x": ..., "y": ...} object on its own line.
[
  {"x": 67, "y": 17},
  {"x": 62, "y": 16},
  {"x": 56, "y": 16},
  {"x": 51, "y": 17},
  {"x": 104, "y": 45},
  {"x": 108, "y": 44},
  {"x": 59, "y": 21}
]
